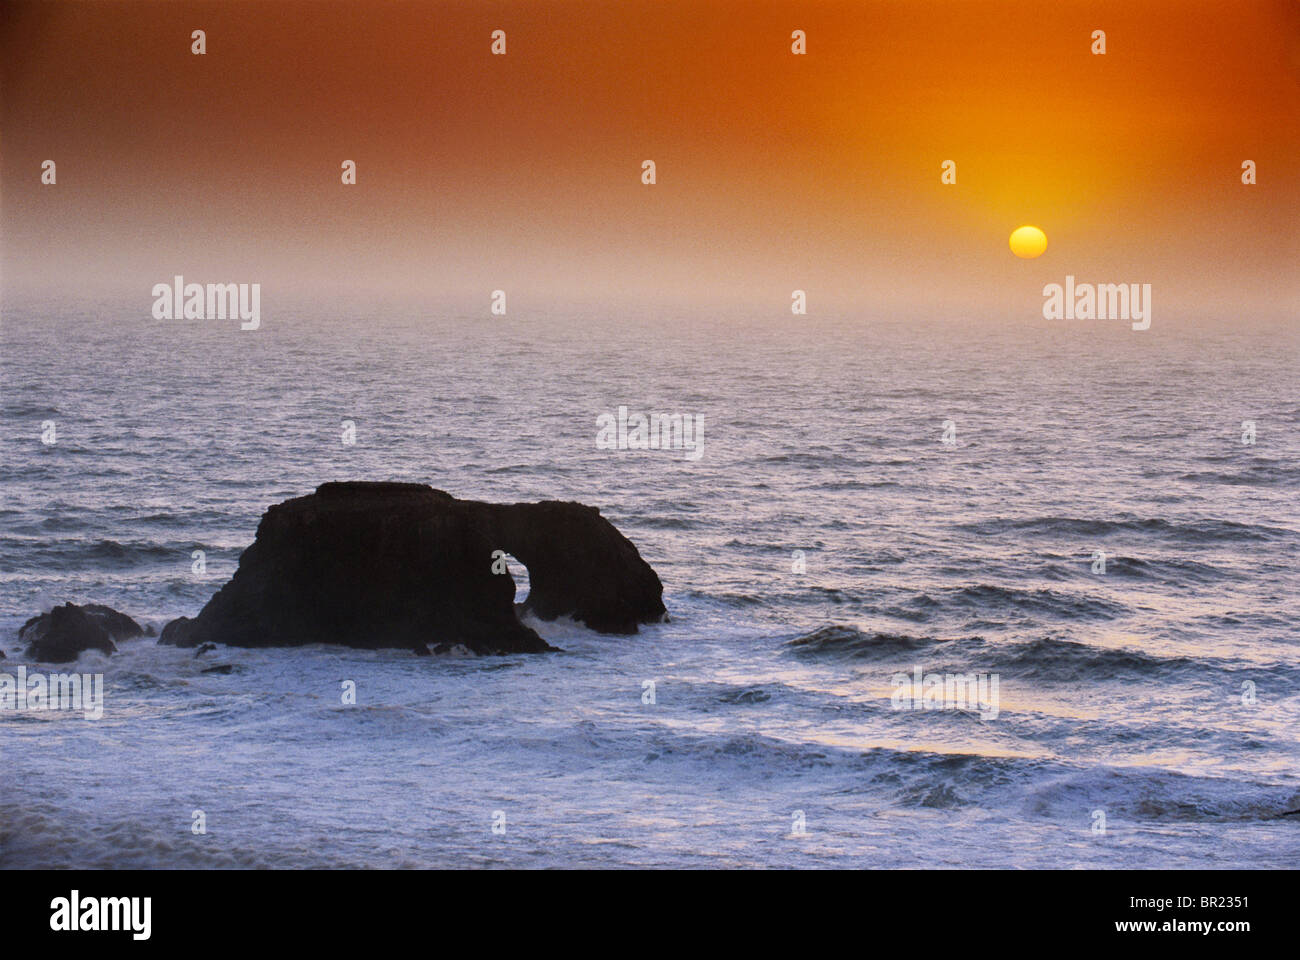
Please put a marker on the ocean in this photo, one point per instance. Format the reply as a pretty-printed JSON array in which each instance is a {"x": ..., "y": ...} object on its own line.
[{"x": 1065, "y": 506}]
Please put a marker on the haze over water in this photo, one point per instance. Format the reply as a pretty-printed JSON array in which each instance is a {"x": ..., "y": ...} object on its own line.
[{"x": 1119, "y": 692}]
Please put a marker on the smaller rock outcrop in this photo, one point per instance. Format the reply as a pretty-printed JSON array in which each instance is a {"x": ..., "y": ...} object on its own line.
[
  {"x": 176, "y": 633},
  {"x": 67, "y": 631}
]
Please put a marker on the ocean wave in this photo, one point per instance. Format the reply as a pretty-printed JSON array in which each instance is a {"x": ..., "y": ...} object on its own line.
[
  {"x": 661, "y": 522},
  {"x": 813, "y": 459},
  {"x": 1049, "y": 658},
  {"x": 1253, "y": 475},
  {"x": 1190, "y": 531},
  {"x": 1144, "y": 793},
  {"x": 1056, "y": 659},
  {"x": 733, "y": 599},
  {"x": 843, "y": 485},
  {"x": 1177, "y": 570},
  {"x": 989, "y": 598},
  {"x": 109, "y": 554},
  {"x": 843, "y": 640},
  {"x": 991, "y": 602},
  {"x": 1050, "y": 787},
  {"x": 1062, "y": 790},
  {"x": 744, "y": 695}
]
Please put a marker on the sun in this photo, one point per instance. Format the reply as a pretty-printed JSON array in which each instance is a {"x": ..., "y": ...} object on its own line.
[{"x": 1028, "y": 242}]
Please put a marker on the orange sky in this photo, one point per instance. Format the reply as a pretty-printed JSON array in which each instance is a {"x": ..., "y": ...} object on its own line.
[{"x": 775, "y": 172}]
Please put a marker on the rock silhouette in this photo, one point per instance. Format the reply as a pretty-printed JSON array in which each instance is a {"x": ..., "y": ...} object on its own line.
[
  {"x": 374, "y": 565},
  {"x": 67, "y": 631}
]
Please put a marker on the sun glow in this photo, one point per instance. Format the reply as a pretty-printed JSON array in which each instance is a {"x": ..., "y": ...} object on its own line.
[{"x": 1028, "y": 242}]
